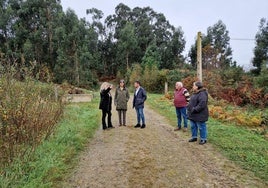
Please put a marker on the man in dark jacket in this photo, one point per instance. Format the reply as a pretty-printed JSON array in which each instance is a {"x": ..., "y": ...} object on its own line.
[
  {"x": 197, "y": 111},
  {"x": 138, "y": 103}
]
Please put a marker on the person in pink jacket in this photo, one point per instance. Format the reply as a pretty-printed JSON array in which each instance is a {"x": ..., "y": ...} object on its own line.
[{"x": 181, "y": 99}]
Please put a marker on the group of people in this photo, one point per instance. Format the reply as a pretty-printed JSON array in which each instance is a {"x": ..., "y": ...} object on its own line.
[
  {"x": 121, "y": 99},
  {"x": 193, "y": 108}
]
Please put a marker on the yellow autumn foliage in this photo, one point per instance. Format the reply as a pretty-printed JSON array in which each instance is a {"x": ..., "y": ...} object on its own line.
[{"x": 237, "y": 116}]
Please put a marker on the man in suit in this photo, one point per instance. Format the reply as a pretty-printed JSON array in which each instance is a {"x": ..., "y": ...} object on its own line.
[{"x": 138, "y": 103}]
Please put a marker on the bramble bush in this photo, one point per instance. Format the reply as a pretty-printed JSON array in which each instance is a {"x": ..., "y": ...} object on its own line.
[
  {"x": 29, "y": 111},
  {"x": 240, "y": 92}
]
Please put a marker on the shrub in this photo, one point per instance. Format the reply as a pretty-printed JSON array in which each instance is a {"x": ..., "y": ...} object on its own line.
[
  {"x": 135, "y": 73},
  {"x": 154, "y": 80},
  {"x": 262, "y": 80},
  {"x": 29, "y": 111},
  {"x": 187, "y": 77}
]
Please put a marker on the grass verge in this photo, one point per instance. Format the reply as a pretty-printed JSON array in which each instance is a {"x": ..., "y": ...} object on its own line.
[
  {"x": 52, "y": 160},
  {"x": 244, "y": 147}
]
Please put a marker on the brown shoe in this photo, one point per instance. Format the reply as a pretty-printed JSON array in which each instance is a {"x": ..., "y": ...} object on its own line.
[
  {"x": 185, "y": 129},
  {"x": 177, "y": 129}
]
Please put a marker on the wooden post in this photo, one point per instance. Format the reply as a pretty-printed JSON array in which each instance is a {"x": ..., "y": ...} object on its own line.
[
  {"x": 166, "y": 87},
  {"x": 199, "y": 57}
]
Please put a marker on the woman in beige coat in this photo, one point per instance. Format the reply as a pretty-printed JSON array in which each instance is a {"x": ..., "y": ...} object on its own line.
[{"x": 120, "y": 100}]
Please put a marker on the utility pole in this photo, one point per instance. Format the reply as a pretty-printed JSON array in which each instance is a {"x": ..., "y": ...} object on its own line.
[{"x": 199, "y": 56}]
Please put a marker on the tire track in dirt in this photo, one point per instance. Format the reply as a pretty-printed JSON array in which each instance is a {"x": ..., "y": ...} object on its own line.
[{"x": 153, "y": 157}]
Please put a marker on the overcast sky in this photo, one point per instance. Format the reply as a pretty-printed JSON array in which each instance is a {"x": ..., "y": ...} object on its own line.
[{"x": 241, "y": 17}]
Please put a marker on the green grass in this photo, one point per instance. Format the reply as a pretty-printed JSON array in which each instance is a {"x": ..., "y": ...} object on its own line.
[
  {"x": 52, "y": 160},
  {"x": 244, "y": 147}
]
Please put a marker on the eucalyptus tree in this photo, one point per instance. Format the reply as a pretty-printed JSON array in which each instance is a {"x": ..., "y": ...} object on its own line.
[
  {"x": 96, "y": 24},
  {"x": 172, "y": 54},
  {"x": 88, "y": 54},
  {"x": 192, "y": 55},
  {"x": 142, "y": 20},
  {"x": 168, "y": 39},
  {"x": 118, "y": 58},
  {"x": 76, "y": 51},
  {"x": 149, "y": 26},
  {"x": 38, "y": 33},
  {"x": 105, "y": 53},
  {"x": 216, "y": 49},
  {"x": 9, "y": 42},
  {"x": 6, "y": 20},
  {"x": 67, "y": 67},
  {"x": 73, "y": 38},
  {"x": 261, "y": 48},
  {"x": 126, "y": 45},
  {"x": 219, "y": 39},
  {"x": 28, "y": 32},
  {"x": 117, "y": 21},
  {"x": 35, "y": 30}
]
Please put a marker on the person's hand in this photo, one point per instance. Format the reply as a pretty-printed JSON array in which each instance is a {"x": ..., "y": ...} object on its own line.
[{"x": 111, "y": 86}]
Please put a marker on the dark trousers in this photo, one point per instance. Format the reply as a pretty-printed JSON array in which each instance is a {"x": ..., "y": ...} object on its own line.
[
  {"x": 122, "y": 114},
  {"x": 104, "y": 113}
]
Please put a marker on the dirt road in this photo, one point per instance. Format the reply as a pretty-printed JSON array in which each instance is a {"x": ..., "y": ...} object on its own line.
[{"x": 128, "y": 157}]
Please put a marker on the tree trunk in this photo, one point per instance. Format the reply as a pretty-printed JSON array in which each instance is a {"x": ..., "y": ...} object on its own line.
[
  {"x": 50, "y": 37},
  {"x": 76, "y": 64},
  {"x": 127, "y": 60},
  {"x": 77, "y": 79}
]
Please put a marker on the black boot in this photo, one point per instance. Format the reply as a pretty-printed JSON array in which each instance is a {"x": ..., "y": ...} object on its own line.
[
  {"x": 138, "y": 125},
  {"x": 193, "y": 140},
  {"x": 110, "y": 126},
  {"x": 202, "y": 142},
  {"x": 143, "y": 126}
]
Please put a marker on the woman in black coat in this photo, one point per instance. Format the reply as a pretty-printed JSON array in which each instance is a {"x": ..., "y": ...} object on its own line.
[
  {"x": 197, "y": 112},
  {"x": 106, "y": 104}
]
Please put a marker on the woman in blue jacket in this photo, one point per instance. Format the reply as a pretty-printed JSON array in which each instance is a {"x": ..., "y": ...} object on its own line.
[{"x": 197, "y": 111}]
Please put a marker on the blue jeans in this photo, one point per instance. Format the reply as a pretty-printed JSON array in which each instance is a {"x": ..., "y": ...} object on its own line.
[
  {"x": 181, "y": 113},
  {"x": 140, "y": 115},
  {"x": 195, "y": 125}
]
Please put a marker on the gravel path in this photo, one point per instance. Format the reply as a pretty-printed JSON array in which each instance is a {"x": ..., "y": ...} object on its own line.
[{"x": 128, "y": 157}]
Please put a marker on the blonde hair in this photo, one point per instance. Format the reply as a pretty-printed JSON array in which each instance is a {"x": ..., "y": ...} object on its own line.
[{"x": 104, "y": 85}]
